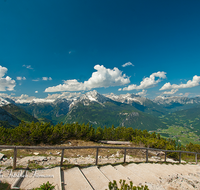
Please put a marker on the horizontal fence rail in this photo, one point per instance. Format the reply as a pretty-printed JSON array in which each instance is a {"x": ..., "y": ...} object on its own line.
[{"x": 97, "y": 151}]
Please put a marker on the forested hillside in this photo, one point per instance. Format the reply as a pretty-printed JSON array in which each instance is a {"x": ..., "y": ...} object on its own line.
[{"x": 8, "y": 119}]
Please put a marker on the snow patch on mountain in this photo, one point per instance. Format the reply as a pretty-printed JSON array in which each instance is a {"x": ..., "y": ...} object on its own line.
[
  {"x": 71, "y": 105},
  {"x": 93, "y": 96},
  {"x": 127, "y": 98},
  {"x": 3, "y": 102}
]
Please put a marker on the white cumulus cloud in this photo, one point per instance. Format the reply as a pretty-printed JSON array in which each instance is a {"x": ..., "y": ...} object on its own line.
[
  {"x": 21, "y": 78},
  {"x": 190, "y": 83},
  {"x": 173, "y": 91},
  {"x": 143, "y": 92},
  {"x": 24, "y": 98},
  {"x": 187, "y": 94},
  {"x": 6, "y": 83},
  {"x": 46, "y": 78},
  {"x": 103, "y": 77},
  {"x": 67, "y": 95},
  {"x": 127, "y": 64},
  {"x": 4, "y": 95},
  {"x": 36, "y": 91},
  {"x": 147, "y": 82}
]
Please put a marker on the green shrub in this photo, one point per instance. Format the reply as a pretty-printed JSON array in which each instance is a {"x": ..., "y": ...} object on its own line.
[
  {"x": 46, "y": 186},
  {"x": 4, "y": 186},
  {"x": 125, "y": 186}
]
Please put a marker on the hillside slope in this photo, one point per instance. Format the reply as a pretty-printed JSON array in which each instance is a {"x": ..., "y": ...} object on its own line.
[
  {"x": 19, "y": 113},
  {"x": 7, "y": 119},
  {"x": 112, "y": 113}
]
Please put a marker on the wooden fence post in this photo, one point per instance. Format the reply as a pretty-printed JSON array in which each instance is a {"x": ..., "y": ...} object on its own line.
[
  {"x": 146, "y": 155},
  {"x": 62, "y": 155},
  {"x": 124, "y": 155},
  {"x": 15, "y": 158},
  {"x": 196, "y": 158},
  {"x": 97, "y": 156},
  {"x": 179, "y": 157},
  {"x": 165, "y": 156}
]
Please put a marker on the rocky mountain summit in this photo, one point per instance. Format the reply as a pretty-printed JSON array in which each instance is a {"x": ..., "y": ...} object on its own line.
[
  {"x": 94, "y": 96},
  {"x": 176, "y": 99},
  {"x": 127, "y": 98}
]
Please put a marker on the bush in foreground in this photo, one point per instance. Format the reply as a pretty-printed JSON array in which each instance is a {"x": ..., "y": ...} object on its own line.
[
  {"x": 125, "y": 186},
  {"x": 46, "y": 186},
  {"x": 4, "y": 186}
]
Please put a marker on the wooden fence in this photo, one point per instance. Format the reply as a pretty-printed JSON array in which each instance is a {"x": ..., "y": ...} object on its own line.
[{"x": 93, "y": 147}]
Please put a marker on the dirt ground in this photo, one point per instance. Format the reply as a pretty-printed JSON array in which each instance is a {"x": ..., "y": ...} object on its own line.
[{"x": 74, "y": 153}]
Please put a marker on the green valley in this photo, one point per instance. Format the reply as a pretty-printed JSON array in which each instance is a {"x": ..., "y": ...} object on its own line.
[{"x": 183, "y": 126}]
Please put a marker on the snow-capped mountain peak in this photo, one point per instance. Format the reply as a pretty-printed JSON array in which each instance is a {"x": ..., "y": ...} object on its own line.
[
  {"x": 127, "y": 98},
  {"x": 176, "y": 99},
  {"x": 3, "y": 102},
  {"x": 94, "y": 96}
]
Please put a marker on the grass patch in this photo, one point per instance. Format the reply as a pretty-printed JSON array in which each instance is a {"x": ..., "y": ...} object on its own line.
[
  {"x": 5, "y": 186},
  {"x": 35, "y": 166},
  {"x": 9, "y": 167}
]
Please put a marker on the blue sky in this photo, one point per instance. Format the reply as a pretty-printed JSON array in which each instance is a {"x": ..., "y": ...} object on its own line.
[{"x": 144, "y": 47}]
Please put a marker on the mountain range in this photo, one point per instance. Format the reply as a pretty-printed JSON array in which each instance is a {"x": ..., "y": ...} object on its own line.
[{"x": 127, "y": 110}]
